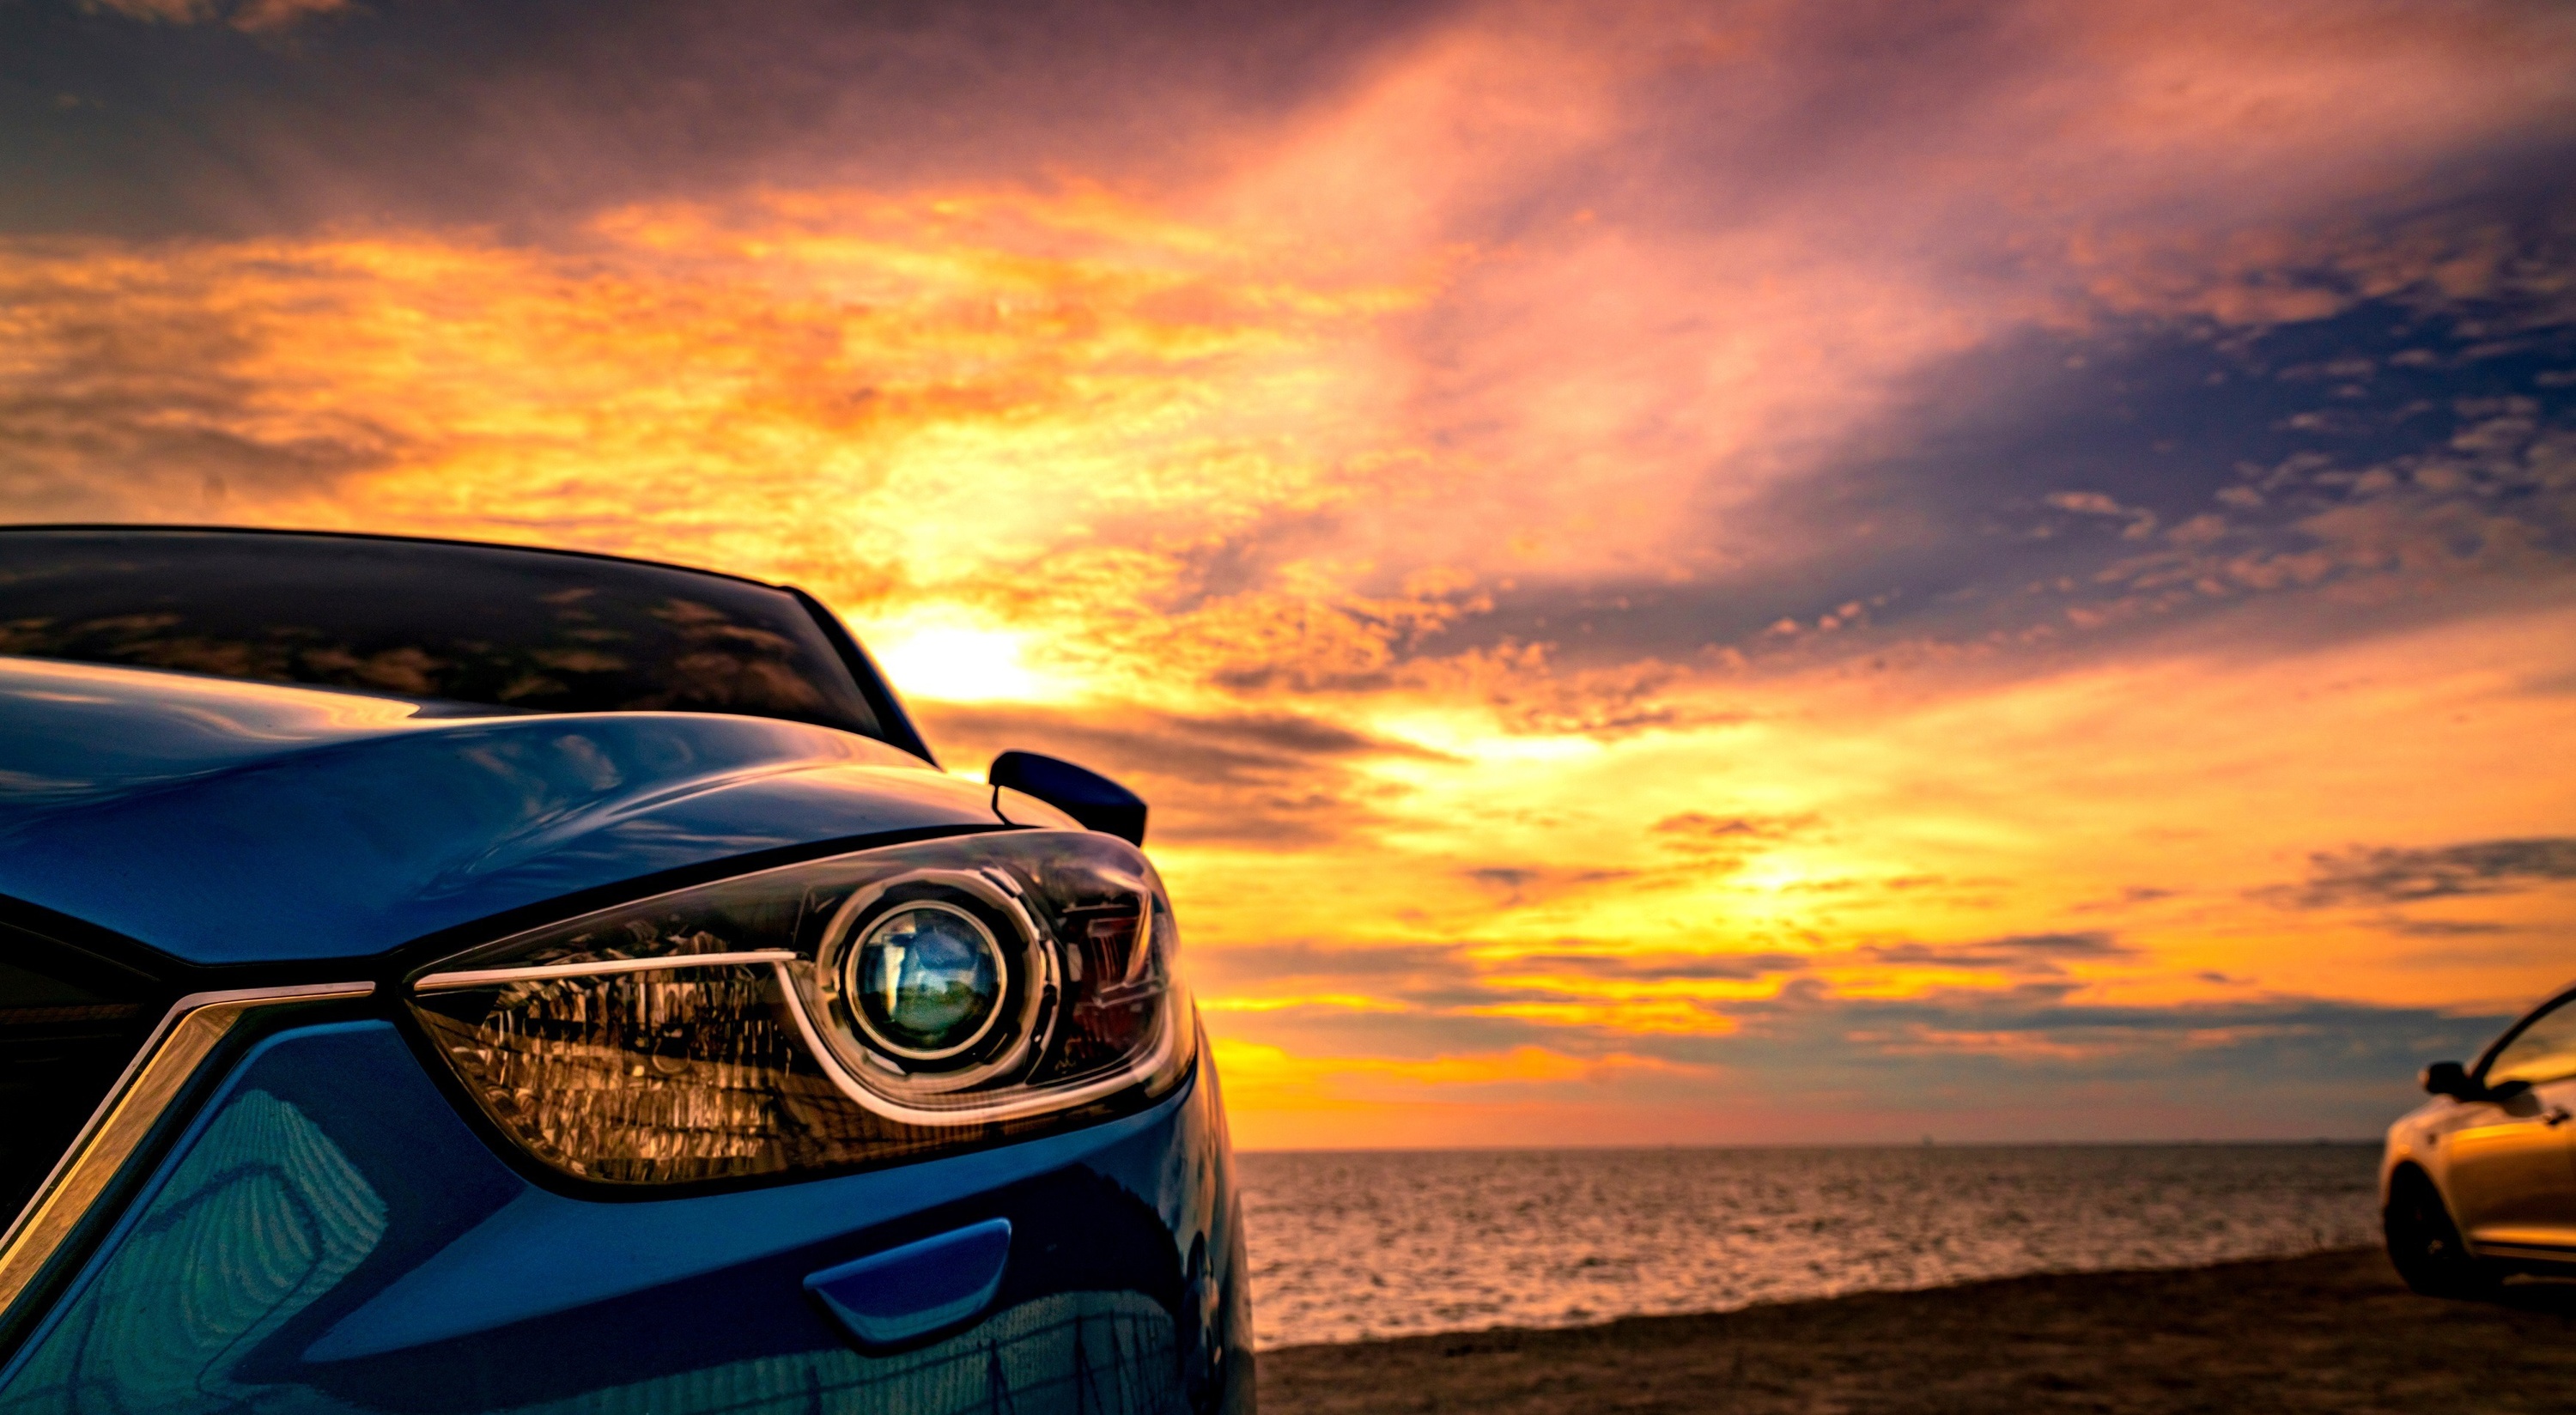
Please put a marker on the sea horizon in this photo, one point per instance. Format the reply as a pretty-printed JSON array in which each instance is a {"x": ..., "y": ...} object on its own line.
[
  {"x": 2372, "y": 1141},
  {"x": 1364, "y": 1244}
]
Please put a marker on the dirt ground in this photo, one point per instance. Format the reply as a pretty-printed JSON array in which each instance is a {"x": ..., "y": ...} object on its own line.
[{"x": 2331, "y": 1332}]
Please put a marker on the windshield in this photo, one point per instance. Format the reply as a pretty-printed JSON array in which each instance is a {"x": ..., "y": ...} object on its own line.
[{"x": 476, "y": 624}]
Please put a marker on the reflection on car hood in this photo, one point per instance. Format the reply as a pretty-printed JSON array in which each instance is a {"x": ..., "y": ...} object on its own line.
[{"x": 230, "y": 822}]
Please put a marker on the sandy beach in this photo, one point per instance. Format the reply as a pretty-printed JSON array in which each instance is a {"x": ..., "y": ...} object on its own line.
[{"x": 2328, "y": 1332}]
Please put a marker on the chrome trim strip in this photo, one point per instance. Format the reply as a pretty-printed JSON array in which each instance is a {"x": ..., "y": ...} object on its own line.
[
  {"x": 188, "y": 1033},
  {"x": 1027, "y": 1103},
  {"x": 781, "y": 960},
  {"x": 485, "y": 977}
]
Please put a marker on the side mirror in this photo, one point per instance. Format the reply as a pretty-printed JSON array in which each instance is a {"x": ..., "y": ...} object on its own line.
[
  {"x": 1098, "y": 802},
  {"x": 2448, "y": 1078}
]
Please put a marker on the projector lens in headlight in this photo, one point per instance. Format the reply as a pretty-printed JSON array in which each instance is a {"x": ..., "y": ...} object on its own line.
[
  {"x": 882, "y": 1005},
  {"x": 927, "y": 981}
]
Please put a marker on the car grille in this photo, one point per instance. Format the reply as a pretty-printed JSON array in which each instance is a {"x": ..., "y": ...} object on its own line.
[{"x": 69, "y": 1023}]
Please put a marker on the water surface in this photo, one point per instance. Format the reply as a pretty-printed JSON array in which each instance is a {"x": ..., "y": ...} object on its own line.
[{"x": 1348, "y": 1245}]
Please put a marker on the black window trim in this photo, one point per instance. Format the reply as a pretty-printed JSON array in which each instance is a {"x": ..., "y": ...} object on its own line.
[
  {"x": 892, "y": 720},
  {"x": 2562, "y": 998},
  {"x": 895, "y": 727}
]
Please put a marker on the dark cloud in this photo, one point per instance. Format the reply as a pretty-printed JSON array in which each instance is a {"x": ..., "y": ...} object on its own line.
[
  {"x": 143, "y": 397},
  {"x": 2019, "y": 953},
  {"x": 1658, "y": 967},
  {"x": 2031, "y": 1056},
  {"x": 2305, "y": 1065},
  {"x": 1858, "y": 884},
  {"x": 2381, "y": 875},
  {"x": 263, "y": 17},
  {"x": 1269, "y": 778},
  {"x": 2129, "y": 898},
  {"x": 537, "y": 114},
  {"x": 1453, "y": 977},
  {"x": 1406, "y": 1035},
  {"x": 2121, "y": 464},
  {"x": 1520, "y": 885},
  {"x": 2051, "y": 489},
  {"x": 2441, "y": 928},
  {"x": 1703, "y": 340},
  {"x": 1230, "y": 749},
  {"x": 2048, "y": 1010},
  {"x": 1699, "y": 832},
  {"x": 1369, "y": 967}
]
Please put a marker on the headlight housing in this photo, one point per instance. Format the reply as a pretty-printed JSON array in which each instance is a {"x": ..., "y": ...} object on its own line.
[{"x": 882, "y": 1005}]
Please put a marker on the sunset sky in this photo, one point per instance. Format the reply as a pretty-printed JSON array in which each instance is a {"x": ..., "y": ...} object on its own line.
[{"x": 1692, "y": 573}]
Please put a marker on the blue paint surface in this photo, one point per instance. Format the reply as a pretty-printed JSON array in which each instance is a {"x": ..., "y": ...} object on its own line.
[
  {"x": 329, "y": 1236},
  {"x": 231, "y": 822},
  {"x": 906, "y": 1293}
]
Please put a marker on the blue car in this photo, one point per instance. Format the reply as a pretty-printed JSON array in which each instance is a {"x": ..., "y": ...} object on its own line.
[{"x": 443, "y": 977}]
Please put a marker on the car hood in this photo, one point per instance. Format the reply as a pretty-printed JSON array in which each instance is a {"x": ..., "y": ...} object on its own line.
[{"x": 232, "y": 822}]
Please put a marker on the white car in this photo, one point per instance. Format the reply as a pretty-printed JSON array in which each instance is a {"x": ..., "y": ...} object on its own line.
[{"x": 2481, "y": 1181}]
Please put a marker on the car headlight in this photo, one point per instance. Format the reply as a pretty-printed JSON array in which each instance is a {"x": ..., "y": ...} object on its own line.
[{"x": 882, "y": 1005}]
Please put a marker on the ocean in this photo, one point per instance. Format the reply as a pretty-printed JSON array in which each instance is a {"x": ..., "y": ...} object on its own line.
[{"x": 1348, "y": 1245}]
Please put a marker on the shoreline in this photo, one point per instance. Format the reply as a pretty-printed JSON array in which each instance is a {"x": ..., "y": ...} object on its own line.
[{"x": 2329, "y": 1331}]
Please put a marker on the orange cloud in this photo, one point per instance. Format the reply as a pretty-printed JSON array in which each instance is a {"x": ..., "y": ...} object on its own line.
[{"x": 1531, "y": 514}]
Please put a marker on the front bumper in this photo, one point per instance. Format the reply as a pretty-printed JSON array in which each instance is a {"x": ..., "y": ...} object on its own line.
[{"x": 327, "y": 1234}]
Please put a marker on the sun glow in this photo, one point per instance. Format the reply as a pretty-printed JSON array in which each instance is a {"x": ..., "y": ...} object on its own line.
[
  {"x": 958, "y": 663},
  {"x": 1599, "y": 614}
]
